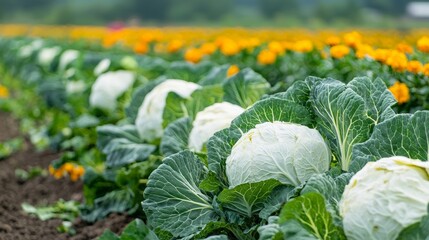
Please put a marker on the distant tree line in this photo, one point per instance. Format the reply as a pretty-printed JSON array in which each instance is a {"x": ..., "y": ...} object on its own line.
[{"x": 167, "y": 11}]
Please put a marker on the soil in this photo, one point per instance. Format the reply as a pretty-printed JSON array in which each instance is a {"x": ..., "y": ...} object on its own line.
[{"x": 14, "y": 223}]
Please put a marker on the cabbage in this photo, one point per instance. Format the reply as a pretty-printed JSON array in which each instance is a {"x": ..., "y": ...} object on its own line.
[
  {"x": 385, "y": 197},
  {"x": 108, "y": 87},
  {"x": 27, "y": 50},
  {"x": 212, "y": 119},
  {"x": 67, "y": 57},
  {"x": 290, "y": 153},
  {"x": 102, "y": 66},
  {"x": 149, "y": 117},
  {"x": 47, "y": 55}
]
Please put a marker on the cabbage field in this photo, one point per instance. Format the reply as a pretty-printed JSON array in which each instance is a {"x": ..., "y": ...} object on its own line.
[{"x": 191, "y": 133}]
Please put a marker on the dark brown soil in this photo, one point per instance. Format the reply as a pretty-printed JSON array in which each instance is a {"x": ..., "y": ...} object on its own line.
[{"x": 16, "y": 225}]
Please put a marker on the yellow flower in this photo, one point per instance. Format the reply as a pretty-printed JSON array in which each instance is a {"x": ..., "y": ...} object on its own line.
[
  {"x": 276, "y": 47},
  {"x": 68, "y": 167},
  {"x": 303, "y": 46},
  {"x": 208, "y": 48},
  {"x": 401, "y": 92},
  {"x": 266, "y": 57},
  {"x": 232, "y": 70},
  {"x": 332, "y": 40},
  {"x": 229, "y": 48},
  {"x": 425, "y": 69},
  {"x": 352, "y": 39},
  {"x": 381, "y": 54},
  {"x": 339, "y": 51},
  {"x": 423, "y": 44},
  {"x": 397, "y": 60},
  {"x": 51, "y": 169},
  {"x": 77, "y": 173},
  {"x": 363, "y": 50},
  {"x": 415, "y": 67},
  {"x": 141, "y": 48},
  {"x": 174, "y": 46},
  {"x": 405, "y": 48},
  {"x": 4, "y": 92},
  {"x": 193, "y": 55}
]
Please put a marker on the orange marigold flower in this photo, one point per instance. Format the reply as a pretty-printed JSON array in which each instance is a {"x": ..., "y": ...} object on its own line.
[
  {"x": 232, "y": 70},
  {"x": 405, "y": 48},
  {"x": 174, "y": 46},
  {"x": 303, "y": 46},
  {"x": 74, "y": 177},
  {"x": 352, "y": 39},
  {"x": 276, "y": 47},
  {"x": 425, "y": 69},
  {"x": 51, "y": 169},
  {"x": 415, "y": 66},
  {"x": 266, "y": 57},
  {"x": 229, "y": 48},
  {"x": 141, "y": 48},
  {"x": 332, "y": 40},
  {"x": 381, "y": 55},
  {"x": 68, "y": 167},
  {"x": 4, "y": 92},
  {"x": 423, "y": 44},
  {"x": 193, "y": 55},
  {"x": 79, "y": 170},
  {"x": 339, "y": 51},
  {"x": 208, "y": 48},
  {"x": 398, "y": 61},
  {"x": 364, "y": 50},
  {"x": 401, "y": 92}
]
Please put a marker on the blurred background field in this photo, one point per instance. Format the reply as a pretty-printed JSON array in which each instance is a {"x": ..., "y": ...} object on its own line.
[{"x": 399, "y": 14}]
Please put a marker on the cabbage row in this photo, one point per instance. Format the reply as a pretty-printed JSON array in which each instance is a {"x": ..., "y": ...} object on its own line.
[{"x": 201, "y": 154}]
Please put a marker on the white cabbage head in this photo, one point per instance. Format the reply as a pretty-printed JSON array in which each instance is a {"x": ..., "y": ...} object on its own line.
[
  {"x": 211, "y": 120},
  {"x": 27, "y": 50},
  {"x": 74, "y": 87},
  {"x": 290, "y": 153},
  {"x": 102, "y": 66},
  {"x": 67, "y": 57},
  {"x": 47, "y": 55},
  {"x": 149, "y": 118},
  {"x": 108, "y": 87},
  {"x": 385, "y": 197}
]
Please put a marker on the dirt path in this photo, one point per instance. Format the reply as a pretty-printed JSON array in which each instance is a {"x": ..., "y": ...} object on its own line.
[{"x": 16, "y": 225}]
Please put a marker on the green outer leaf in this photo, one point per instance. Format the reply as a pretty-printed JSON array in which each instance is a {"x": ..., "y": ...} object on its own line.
[
  {"x": 109, "y": 235},
  {"x": 310, "y": 211},
  {"x": 245, "y": 88},
  {"x": 176, "y": 136},
  {"x": 106, "y": 133},
  {"x": 137, "y": 230},
  {"x": 271, "y": 110},
  {"x": 121, "y": 151},
  {"x": 403, "y": 135},
  {"x": 275, "y": 201},
  {"x": 378, "y": 99},
  {"x": 342, "y": 118},
  {"x": 218, "y": 149},
  {"x": 247, "y": 198},
  {"x": 188, "y": 71},
  {"x": 211, "y": 183},
  {"x": 330, "y": 188},
  {"x": 216, "y": 76},
  {"x": 177, "y": 107},
  {"x": 114, "y": 201},
  {"x": 174, "y": 202}
]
